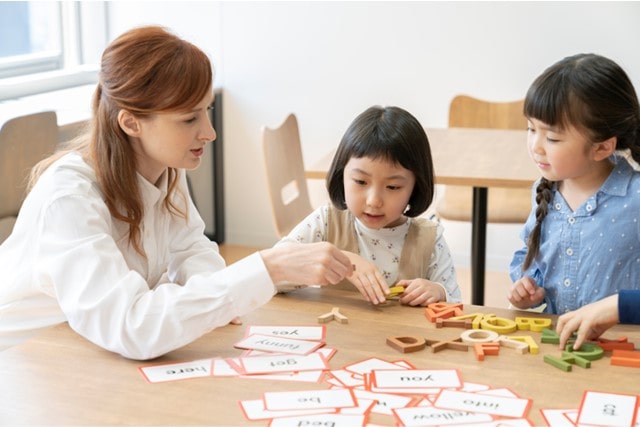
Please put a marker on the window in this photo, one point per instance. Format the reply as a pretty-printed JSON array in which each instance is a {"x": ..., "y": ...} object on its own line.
[
  {"x": 49, "y": 45},
  {"x": 31, "y": 42}
]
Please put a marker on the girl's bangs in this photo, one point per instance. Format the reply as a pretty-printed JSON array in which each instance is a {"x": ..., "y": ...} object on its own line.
[{"x": 548, "y": 102}]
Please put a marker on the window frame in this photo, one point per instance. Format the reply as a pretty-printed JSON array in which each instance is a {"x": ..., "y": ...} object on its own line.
[{"x": 84, "y": 34}]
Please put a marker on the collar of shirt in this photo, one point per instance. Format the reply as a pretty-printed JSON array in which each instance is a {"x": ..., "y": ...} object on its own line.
[
  {"x": 616, "y": 185},
  {"x": 150, "y": 193},
  {"x": 618, "y": 181},
  {"x": 386, "y": 232}
]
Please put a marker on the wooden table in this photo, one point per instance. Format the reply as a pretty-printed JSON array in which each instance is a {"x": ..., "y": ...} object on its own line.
[
  {"x": 480, "y": 158},
  {"x": 59, "y": 378}
]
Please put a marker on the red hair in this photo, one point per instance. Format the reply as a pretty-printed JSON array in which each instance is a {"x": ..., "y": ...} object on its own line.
[{"x": 146, "y": 70}]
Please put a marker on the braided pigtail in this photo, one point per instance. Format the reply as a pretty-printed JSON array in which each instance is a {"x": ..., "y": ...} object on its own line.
[
  {"x": 543, "y": 198},
  {"x": 634, "y": 140}
]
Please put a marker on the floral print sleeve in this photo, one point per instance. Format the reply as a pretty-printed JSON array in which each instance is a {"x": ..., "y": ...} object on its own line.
[
  {"x": 441, "y": 268},
  {"x": 312, "y": 229}
]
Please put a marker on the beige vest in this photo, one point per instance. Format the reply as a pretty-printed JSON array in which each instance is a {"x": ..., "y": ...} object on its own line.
[{"x": 416, "y": 251}]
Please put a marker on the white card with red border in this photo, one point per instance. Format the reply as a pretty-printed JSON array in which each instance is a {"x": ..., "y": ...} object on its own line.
[
  {"x": 504, "y": 392},
  {"x": 332, "y": 420},
  {"x": 278, "y": 345},
  {"x": 363, "y": 408},
  {"x": 346, "y": 378},
  {"x": 430, "y": 416},
  {"x": 309, "y": 399},
  {"x": 607, "y": 409},
  {"x": 312, "y": 333},
  {"x": 502, "y": 422},
  {"x": 177, "y": 371},
  {"x": 367, "y": 365},
  {"x": 414, "y": 380},
  {"x": 281, "y": 363},
  {"x": 304, "y": 376},
  {"x": 559, "y": 417},
  {"x": 385, "y": 402},
  {"x": 476, "y": 402},
  {"x": 327, "y": 352},
  {"x": 255, "y": 410},
  {"x": 222, "y": 368}
]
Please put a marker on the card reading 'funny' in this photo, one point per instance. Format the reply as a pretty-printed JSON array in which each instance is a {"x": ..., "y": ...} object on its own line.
[{"x": 278, "y": 345}]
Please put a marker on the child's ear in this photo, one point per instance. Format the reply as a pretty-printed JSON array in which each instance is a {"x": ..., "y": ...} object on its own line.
[
  {"x": 605, "y": 148},
  {"x": 128, "y": 123}
]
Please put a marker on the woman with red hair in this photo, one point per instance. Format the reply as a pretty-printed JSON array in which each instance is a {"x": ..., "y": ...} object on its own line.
[{"x": 108, "y": 238}]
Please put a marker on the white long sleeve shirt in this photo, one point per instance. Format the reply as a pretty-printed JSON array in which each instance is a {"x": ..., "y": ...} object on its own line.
[{"x": 67, "y": 259}]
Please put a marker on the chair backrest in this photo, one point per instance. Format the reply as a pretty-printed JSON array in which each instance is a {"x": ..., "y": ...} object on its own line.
[
  {"x": 505, "y": 205},
  {"x": 468, "y": 112},
  {"x": 24, "y": 141},
  {"x": 286, "y": 182}
]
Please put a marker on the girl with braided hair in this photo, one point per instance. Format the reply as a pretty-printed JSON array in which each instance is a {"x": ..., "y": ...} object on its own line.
[{"x": 583, "y": 234}]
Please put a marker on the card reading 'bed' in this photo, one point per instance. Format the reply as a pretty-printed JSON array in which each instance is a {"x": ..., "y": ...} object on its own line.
[{"x": 333, "y": 420}]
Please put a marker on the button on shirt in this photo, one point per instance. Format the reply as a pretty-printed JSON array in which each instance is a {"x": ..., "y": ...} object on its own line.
[
  {"x": 68, "y": 259},
  {"x": 592, "y": 252}
]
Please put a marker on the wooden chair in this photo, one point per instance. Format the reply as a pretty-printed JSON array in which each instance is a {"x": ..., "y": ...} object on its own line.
[
  {"x": 286, "y": 182},
  {"x": 504, "y": 205},
  {"x": 24, "y": 141}
]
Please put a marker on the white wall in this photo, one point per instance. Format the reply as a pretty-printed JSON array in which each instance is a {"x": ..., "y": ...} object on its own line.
[
  {"x": 328, "y": 61},
  {"x": 197, "y": 21}
]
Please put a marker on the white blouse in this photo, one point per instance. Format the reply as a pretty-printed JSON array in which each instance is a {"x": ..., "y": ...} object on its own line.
[{"x": 69, "y": 260}]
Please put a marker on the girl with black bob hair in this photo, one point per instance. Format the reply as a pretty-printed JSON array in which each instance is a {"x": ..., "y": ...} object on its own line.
[{"x": 381, "y": 179}]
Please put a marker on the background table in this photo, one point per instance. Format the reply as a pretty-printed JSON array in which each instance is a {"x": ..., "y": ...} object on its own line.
[
  {"x": 478, "y": 158},
  {"x": 59, "y": 378}
]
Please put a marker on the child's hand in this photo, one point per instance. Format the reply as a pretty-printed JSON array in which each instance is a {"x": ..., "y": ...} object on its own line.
[
  {"x": 367, "y": 278},
  {"x": 236, "y": 321},
  {"x": 589, "y": 321},
  {"x": 421, "y": 292},
  {"x": 525, "y": 293}
]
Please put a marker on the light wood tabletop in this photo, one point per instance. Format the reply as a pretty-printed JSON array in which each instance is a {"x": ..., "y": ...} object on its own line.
[
  {"x": 59, "y": 378},
  {"x": 469, "y": 157},
  {"x": 478, "y": 158}
]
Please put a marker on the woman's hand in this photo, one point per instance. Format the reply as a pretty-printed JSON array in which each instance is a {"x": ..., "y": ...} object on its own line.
[
  {"x": 307, "y": 264},
  {"x": 368, "y": 279},
  {"x": 525, "y": 293},
  {"x": 421, "y": 292}
]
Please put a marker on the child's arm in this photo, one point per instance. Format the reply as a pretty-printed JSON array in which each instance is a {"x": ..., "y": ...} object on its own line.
[
  {"x": 440, "y": 282},
  {"x": 526, "y": 281},
  {"x": 368, "y": 279},
  {"x": 589, "y": 321},
  {"x": 525, "y": 293}
]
